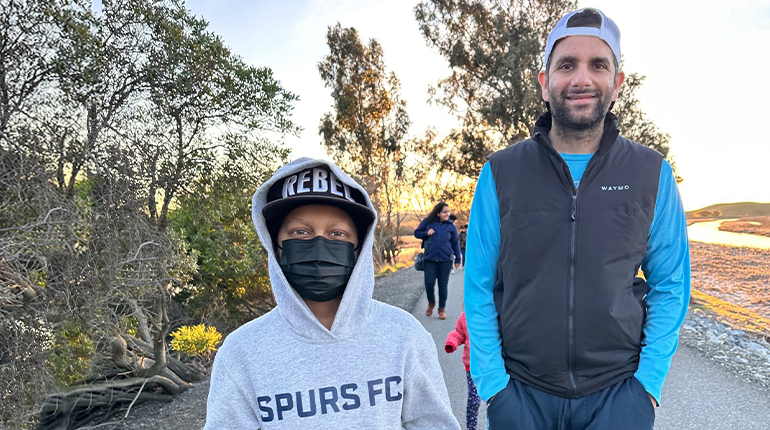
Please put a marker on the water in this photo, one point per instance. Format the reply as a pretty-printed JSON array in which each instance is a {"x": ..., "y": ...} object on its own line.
[{"x": 709, "y": 232}]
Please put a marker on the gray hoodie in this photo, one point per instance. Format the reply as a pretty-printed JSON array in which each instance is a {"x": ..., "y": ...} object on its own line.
[{"x": 377, "y": 368}]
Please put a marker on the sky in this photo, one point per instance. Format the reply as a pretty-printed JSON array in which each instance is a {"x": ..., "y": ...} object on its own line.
[{"x": 705, "y": 61}]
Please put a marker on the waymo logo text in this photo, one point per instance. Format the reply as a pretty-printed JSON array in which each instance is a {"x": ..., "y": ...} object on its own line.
[{"x": 615, "y": 187}]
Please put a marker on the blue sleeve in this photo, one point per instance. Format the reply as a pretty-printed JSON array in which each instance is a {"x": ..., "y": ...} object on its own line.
[
  {"x": 667, "y": 269},
  {"x": 455, "y": 239},
  {"x": 422, "y": 229},
  {"x": 482, "y": 250}
]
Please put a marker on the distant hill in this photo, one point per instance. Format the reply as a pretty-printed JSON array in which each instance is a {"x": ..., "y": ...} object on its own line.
[{"x": 733, "y": 210}]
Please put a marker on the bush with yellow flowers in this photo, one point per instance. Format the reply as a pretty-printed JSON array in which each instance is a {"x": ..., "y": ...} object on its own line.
[{"x": 196, "y": 340}]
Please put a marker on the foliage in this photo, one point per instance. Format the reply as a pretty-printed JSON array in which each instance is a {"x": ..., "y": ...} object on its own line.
[
  {"x": 24, "y": 370},
  {"x": 495, "y": 50},
  {"x": 71, "y": 354},
  {"x": 231, "y": 285},
  {"x": 367, "y": 130},
  {"x": 197, "y": 85},
  {"x": 112, "y": 122},
  {"x": 27, "y": 45},
  {"x": 129, "y": 325},
  {"x": 197, "y": 340}
]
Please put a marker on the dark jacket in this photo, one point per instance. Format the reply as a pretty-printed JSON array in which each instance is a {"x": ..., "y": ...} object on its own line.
[
  {"x": 463, "y": 239},
  {"x": 571, "y": 313},
  {"x": 443, "y": 243}
]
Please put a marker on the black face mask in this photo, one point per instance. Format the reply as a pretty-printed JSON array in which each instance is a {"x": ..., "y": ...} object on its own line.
[{"x": 318, "y": 268}]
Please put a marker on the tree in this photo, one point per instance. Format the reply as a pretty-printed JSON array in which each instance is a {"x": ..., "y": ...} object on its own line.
[
  {"x": 142, "y": 110},
  {"x": 366, "y": 132},
  {"x": 197, "y": 86},
  {"x": 27, "y": 47},
  {"x": 495, "y": 50},
  {"x": 100, "y": 65},
  {"x": 231, "y": 285}
]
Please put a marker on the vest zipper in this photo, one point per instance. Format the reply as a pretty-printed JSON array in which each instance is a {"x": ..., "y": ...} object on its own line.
[
  {"x": 572, "y": 380},
  {"x": 572, "y": 282},
  {"x": 573, "y": 389},
  {"x": 571, "y": 303}
]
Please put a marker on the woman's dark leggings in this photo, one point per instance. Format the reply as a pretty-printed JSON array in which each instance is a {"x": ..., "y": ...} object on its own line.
[{"x": 440, "y": 270}]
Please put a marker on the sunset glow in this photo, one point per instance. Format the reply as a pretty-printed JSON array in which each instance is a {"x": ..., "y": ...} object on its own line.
[{"x": 705, "y": 81}]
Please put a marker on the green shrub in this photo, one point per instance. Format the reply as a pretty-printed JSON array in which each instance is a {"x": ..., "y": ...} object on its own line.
[{"x": 70, "y": 356}]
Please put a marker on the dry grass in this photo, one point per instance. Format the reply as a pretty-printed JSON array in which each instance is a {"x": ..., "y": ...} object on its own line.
[
  {"x": 691, "y": 221},
  {"x": 738, "y": 275},
  {"x": 409, "y": 250},
  {"x": 735, "y": 316},
  {"x": 407, "y": 253},
  {"x": 731, "y": 283},
  {"x": 759, "y": 225}
]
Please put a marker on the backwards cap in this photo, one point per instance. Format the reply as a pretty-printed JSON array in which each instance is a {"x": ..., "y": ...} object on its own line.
[{"x": 585, "y": 22}]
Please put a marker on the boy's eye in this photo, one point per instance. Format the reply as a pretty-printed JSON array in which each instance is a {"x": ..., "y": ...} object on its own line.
[
  {"x": 338, "y": 233},
  {"x": 300, "y": 232}
]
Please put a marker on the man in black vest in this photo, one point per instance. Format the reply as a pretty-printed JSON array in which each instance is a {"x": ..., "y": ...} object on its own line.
[{"x": 565, "y": 333}]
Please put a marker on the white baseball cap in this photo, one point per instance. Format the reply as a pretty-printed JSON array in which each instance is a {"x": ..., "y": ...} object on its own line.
[{"x": 585, "y": 22}]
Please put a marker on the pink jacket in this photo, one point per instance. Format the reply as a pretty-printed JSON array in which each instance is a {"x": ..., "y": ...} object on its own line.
[{"x": 458, "y": 337}]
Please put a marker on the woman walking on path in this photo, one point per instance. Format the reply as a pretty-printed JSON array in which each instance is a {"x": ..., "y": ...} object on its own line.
[{"x": 440, "y": 240}]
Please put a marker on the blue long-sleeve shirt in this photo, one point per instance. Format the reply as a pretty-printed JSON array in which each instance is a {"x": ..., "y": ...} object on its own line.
[{"x": 666, "y": 267}]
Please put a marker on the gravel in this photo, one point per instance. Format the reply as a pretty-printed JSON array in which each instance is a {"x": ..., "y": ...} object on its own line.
[{"x": 745, "y": 354}]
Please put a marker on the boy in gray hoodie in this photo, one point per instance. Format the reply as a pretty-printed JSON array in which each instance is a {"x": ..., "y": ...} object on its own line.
[{"x": 328, "y": 356}]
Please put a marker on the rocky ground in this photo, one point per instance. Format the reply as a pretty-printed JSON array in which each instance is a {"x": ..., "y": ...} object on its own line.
[{"x": 746, "y": 354}]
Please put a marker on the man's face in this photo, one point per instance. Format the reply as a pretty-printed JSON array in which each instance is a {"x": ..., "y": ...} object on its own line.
[
  {"x": 309, "y": 221},
  {"x": 581, "y": 82}
]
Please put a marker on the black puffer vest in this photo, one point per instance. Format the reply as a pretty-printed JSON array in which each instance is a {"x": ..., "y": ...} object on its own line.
[{"x": 571, "y": 310}]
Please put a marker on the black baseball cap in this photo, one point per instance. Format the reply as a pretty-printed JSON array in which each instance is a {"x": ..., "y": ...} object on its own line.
[{"x": 315, "y": 185}]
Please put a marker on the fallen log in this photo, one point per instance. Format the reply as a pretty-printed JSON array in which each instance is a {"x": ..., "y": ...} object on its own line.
[
  {"x": 97, "y": 403},
  {"x": 190, "y": 373}
]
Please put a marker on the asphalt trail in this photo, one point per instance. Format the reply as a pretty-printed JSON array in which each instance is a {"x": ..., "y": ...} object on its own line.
[{"x": 451, "y": 364}]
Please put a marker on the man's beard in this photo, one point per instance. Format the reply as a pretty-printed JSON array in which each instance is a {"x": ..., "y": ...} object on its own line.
[{"x": 562, "y": 114}]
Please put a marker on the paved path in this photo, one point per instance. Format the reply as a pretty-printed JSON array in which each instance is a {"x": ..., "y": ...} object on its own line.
[
  {"x": 699, "y": 393},
  {"x": 451, "y": 364}
]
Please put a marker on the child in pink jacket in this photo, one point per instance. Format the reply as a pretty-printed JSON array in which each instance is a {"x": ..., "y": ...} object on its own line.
[{"x": 453, "y": 340}]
